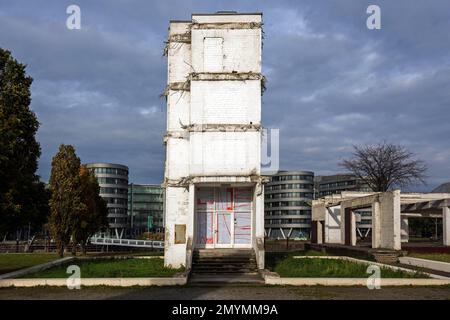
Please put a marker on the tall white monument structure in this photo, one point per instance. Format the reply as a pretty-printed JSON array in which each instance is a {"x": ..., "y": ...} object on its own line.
[{"x": 214, "y": 194}]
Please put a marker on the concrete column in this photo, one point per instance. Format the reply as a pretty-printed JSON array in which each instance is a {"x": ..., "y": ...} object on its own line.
[
  {"x": 446, "y": 225},
  {"x": 353, "y": 228},
  {"x": 390, "y": 220},
  {"x": 404, "y": 229},
  {"x": 376, "y": 223},
  {"x": 190, "y": 227},
  {"x": 258, "y": 223},
  {"x": 342, "y": 225},
  {"x": 259, "y": 210},
  {"x": 319, "y": 232}
]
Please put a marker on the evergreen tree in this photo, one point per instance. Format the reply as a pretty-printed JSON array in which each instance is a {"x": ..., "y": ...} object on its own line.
[
  {"x": 93, "y": 217},
  {"x": 19, "y": 150},
  {"x": 65, "y": 201}
]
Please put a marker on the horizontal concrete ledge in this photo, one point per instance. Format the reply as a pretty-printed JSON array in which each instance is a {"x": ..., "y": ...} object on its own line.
[
  {"x": 381, "y": 265},
  {"x": 113, "y": 282},
  {"x": 424, "y": 263},
  {"x": 354, "y": 282}
]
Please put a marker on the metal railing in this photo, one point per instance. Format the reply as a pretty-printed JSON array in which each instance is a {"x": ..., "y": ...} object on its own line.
[{"x": 128, "y": 242}]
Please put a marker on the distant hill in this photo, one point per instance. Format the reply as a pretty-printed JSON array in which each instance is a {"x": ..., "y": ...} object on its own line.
[{"x": 443, "y": 188}]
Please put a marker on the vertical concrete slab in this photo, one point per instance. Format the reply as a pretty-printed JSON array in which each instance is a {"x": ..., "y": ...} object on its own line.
[
  {"x": 353, "y": 228},
  {"x": 258, "y": 238},
  {"x": 319, "y": 228},
  {"x": 333, "y": 225},
  {"x": 446, "y": 225},
  {"x": 376, "y": 225},
  {"x": 404, "y": 229},
  {"x": 342, "y": 226},
  {"x": 177, "y": 208}
]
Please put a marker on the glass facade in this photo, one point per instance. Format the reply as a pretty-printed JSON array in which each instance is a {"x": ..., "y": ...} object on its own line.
[
  {"x": 287, "y": 204},
  {"x": 145, "y": 208},
  {"x": 113, "y": 181}
]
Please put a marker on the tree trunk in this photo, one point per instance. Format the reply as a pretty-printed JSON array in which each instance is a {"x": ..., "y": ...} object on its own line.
[
  {"x": 74, "y": 249},
  {"x": 60, "y": 249},
  {"x": 83, "y": 248}
]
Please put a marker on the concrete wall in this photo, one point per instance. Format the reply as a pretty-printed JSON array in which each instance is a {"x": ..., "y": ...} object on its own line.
[
  {"x": 215, "y": 153},
  {"x": 223, "y": 102},
  {"x": 333, "y": 225},
  {"x": 177, "y": 213},
  {"x": 240, "y": 47}
]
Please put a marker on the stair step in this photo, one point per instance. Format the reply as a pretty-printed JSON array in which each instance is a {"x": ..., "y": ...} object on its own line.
[
  {"x": 235, "y": 272},
  {"x": 224, "y": 263},
  {"x": 215, "y": 261},
  {"x": 221, "y": 263},
  {"x": 254, "y": 278},
  {"x": 202, "y": 267}
]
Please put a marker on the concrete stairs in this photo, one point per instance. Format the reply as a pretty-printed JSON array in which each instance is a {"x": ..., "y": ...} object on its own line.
[{"x": 224, "y": 266}]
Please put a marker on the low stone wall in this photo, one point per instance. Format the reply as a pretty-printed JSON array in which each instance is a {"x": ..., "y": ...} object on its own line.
[
  {"x": 114, "y": 282},
  {"x": 272, "y": 278},
  {"x": 354, "y": 281},
  {"x": 425, "y": 263},
  {"x": 341, "y": 250},
  {"x": 284, "y": 246},
  {"x": 381, "y": 265},
  {"x": 11, "y": 279}
]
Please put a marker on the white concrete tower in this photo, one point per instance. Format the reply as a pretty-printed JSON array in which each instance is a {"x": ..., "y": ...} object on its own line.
[{"x": 214, "y": 193}]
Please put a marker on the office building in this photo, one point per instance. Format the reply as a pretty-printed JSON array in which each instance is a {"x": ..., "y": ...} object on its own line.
[
  {"x": 145, "y": 208},
  {"x": 287, "y": 205},
  {"x": 113, "y": 181}
]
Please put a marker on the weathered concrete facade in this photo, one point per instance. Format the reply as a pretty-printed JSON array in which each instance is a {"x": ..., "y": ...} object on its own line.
[{"x": 214, "y": 195}]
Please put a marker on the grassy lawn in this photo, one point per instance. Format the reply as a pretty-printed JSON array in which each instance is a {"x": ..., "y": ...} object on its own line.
[
  {"x": 14, "y": 261},
  {"x": 112, "y": 268},
  {"x": 272, "y": 259},
  {"x": 444, "y": 257},
  {"x": 286, "y": 266}
]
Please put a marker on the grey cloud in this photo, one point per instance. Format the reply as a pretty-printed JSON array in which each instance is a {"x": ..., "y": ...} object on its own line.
[{"x": 331, "y": 82}]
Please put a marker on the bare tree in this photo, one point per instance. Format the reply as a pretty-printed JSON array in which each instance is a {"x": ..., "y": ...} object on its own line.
[{"x": 384, "y": 166}]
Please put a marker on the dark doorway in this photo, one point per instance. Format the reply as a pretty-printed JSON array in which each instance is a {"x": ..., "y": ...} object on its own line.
[{"x": 348, "y": 226}]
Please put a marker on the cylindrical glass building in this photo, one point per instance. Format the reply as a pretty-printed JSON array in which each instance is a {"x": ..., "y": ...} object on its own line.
[
  {"x": 113, "y": 181},
  {"x": 287, "y": 204}
]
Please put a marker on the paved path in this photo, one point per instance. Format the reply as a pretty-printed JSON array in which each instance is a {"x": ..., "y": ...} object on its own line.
[{"x": 228, "y": 292}]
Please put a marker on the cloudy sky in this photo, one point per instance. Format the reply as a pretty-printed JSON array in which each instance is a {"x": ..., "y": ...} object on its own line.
[{"x": 331, "y": 81}]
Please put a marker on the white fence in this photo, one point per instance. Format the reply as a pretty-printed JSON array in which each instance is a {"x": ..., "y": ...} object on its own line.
[{"x": 128, "y": 242}]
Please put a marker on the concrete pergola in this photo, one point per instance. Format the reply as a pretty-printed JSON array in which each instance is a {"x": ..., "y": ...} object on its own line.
[{"x": 334, "y": 220}]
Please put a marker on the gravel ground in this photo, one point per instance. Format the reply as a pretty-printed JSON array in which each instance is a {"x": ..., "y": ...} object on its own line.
[{"x": 229, "y": 292}]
